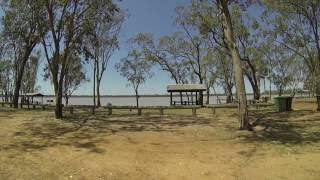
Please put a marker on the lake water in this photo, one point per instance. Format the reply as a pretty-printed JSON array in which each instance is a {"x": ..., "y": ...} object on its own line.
[{"x": 129, "y": 100}]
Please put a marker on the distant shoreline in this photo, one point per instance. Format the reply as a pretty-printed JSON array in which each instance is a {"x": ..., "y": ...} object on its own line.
[
  {"x": 123, "y": 96},
  {"x": 150, "y": 95}
]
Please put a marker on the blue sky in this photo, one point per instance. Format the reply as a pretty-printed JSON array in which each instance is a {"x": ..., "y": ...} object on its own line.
[{"x": 154, "y": 16}]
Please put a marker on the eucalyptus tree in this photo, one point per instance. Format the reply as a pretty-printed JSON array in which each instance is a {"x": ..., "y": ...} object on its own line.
[
  {"x": 163, "y": 53},
  {"x": 295, "y": 25},
  {"x": 101, "y": 43},
  {"x": 6, "y": 83},
  {"x": 68, "y": 21},
  {"x": 286, "y": 69},
  {"x": 22, "y": 29},
  {"x": 205, "y": 16},
  {"x": 74, "y": 78},
  {"x": 225, "y": 75},
  {"x": 136, "y": 70},
  {"x": 75, "y": 75},
  {"x": 229, "y": 38},
  {"x": 215, "y": 21},
  {"x": 30, "y": 76},
  {"x": 248, "y": 36},
  {"x": 193, "y": 47},
  {"x": 211, "y": 72}
]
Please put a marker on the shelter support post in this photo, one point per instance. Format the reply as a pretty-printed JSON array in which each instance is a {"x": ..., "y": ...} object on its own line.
[{"x": 196, "y": 98}]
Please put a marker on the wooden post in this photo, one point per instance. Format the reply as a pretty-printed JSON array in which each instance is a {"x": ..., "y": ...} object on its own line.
[
  {"x": 109, "y": 110},
  {"x": 170, "y": 98},
  {"x": 192, "y": 98},
  {"x": 181, "y": 98},
  {"x": 194, "y": 111},
  {"x": 28, "y": 105},
  {"x": 11, "y": 104},
  {"x": 71, "y": 110},
  {"x": 139, "y": 111},
  {"x": 93, "y": 110},
  {"x": 2, "y": 104},
  {"x": 213, "y": 110},
  {"x": 196, "y": 98},
  {"x": 161, "y": 111},
  {"x": 33, "y": 106},
  {"x": 43, "y": 107}
]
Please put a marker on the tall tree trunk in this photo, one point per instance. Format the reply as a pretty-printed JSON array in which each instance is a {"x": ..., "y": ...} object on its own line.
[
  {"x": 201, "y": 93},
  {"x": 94, "y": 83},
  {"x": 270, "y": 93},
  {"x": 229, "y": 94},
  {"x": 137, "y": 97},
  {"x": 318, "y": 69},
  {"x": 19, "y": 79},
  {"x": 228, "y": 97},
  {"x": 240, "y": 86},
  {"x": 66, "y": 98},
  {"x": 318, "y": 74},
  {"x": 98, "y": 79},
  {"x": 318, "y": 95},
  {"x": 280, "y": 90},
  {"x": 59, "y": 108},
  {"x": 58, "y": 95},
  {"x": 98, "y": 93},
  {"x": 317, "y": 82},
  {"x": 255, "y": 87},
  {"x": 208, "y": 95}
]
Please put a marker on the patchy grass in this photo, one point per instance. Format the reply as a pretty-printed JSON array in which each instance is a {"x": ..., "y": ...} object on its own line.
[{"x": 34, "y": 145}]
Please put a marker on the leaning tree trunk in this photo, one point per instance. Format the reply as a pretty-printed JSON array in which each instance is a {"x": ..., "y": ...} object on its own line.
[
  {"x": 254, "y": 80},
  {"x": 20, "y": 76},
  {"x": 255, "y": 87},
  {"x": 240, "y": 86}
]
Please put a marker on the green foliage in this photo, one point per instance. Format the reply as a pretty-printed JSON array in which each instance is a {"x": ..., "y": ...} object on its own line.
[
  {"x": 30, "y": 76},
  {"x": 135, "y": 69}
]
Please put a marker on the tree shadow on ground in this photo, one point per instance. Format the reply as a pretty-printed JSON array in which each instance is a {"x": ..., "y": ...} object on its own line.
[
  {"x": 86, "y": 132},
  {"x": 291, "y": 128}
]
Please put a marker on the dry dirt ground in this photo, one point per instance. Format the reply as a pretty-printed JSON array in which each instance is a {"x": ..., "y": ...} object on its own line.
[{"x": 33, "y": 145}]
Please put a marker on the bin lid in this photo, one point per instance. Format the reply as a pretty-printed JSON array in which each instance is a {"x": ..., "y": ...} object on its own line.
[{"x": 283, "y": 97}]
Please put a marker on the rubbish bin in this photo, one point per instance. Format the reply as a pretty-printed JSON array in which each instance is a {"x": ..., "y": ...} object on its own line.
[{"x": 283, "y": 103}]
